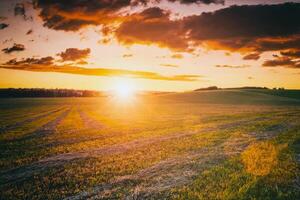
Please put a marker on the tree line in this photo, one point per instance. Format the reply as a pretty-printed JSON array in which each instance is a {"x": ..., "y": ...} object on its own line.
[{"x": 40, "y": 92}]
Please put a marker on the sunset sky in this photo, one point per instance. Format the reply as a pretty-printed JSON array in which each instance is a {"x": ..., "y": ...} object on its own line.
[{"x": 165, "y": 45}]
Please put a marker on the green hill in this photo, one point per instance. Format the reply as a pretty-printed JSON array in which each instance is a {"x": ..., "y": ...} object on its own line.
[{"x": 239, "y": 96}]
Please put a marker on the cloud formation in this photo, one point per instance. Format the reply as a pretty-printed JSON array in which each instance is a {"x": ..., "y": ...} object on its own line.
[
  {"x": 152, "y": 26},
  {"x": 246, "y": 28},
  {"x": 251, "y": 29},
  {"x": 291, "y": 53},
  {"x": 30, "y": 31},
  {"x": 282, "y": 62},
  {"x": 127, "y": 55},
  {"x": 245, "y": 21},
  {"x": 252, "y": 56},
  {"x": 3, "y": 26},
  {"x": 32, "y": 61},
  {"x": 168, "y": 65},
  {"x": 14, "y": 48},
  {"x": 20, "y": 10},
  {"x": 177, "y": 56},
  {"x": 288, "y": 59},
  {"x": 233, "y": 66},
  {"x": 200, "y": 1},
  {"x": 46, "y": 64},
  {"x": 76, "y": 14},
  {"x": 74, "y": 54}
]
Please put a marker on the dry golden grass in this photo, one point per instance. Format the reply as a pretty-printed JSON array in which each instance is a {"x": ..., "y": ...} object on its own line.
[{"x": 259, "y": 158}]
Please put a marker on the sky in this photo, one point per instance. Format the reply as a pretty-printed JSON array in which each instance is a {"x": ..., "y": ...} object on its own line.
[{"x": 157, "y": 45}]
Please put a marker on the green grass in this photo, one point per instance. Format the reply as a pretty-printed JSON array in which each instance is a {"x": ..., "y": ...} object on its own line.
[
  {"x": 175, "y": 146},
  {"x": 230, "y": 180}
]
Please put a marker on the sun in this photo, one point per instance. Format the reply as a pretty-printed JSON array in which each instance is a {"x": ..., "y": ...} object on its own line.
[{"x": 124, "y": 90}]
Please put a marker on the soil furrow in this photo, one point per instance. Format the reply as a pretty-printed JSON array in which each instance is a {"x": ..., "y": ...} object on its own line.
[
  {"x": 89, "y": 122},
  {"x": 26, "y": 121},
  {"x": 46, "y": 128}
]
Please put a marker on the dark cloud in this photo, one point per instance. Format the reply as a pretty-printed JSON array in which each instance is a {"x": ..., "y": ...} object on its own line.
[
  {"x": 277, "y": 44},
  {"x": 291, "y": 53},
  {"x": 73, "y": 15},
  {"x": 233, "y": 66},
  {"x": 252, "y": 56},
  {"x": 246, "y": 21},
  {"x": 3, "y": 26},
  {"x": 15, "y": 47},
  {"x": 32, "y": 61},
  {"x": 2, "y": 18},
  {"x": 29, "y": 32},
  {"x": 289, "y": 59},
  {"x": 153, "y": 25},
  {"x": 247, "y": 28},
  {"x": 282, "y": 62},
  {"x": 199, "y": 1},
  {"x": 74, "y": 54},
  {"x": 20, "y": 10}
]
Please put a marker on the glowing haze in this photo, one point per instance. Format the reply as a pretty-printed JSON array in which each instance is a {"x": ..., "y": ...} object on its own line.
[{"x": 166, "y": 45}]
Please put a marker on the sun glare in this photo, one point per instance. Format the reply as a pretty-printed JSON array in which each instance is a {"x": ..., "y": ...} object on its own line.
[{"x": 124, "y": 90}]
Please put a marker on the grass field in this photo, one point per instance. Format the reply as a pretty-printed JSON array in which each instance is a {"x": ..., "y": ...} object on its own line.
[{"x": 229, "y": 144}]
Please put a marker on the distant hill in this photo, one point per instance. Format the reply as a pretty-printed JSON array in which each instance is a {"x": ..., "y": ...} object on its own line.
[
  {"x": 241, "y": 88},
  {"x": 239, "y": 96},
  {"x": 207, "y": 88},
  {"x": 294, "y": 94}
]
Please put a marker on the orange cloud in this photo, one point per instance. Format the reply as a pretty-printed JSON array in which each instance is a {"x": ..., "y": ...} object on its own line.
[
  {"x": 177, "y": 56},
  {"x": 69, "y": 69},
  {"x": 76, "y": 14},
  {"x": 252, "y": 56},
  {"x": 168, "y": 65},
  {"x": 74, "y": 54},
  {"x": 282, "y": 62},
  {"x": 247, "y": 28},
  {"x": 233, "y": 66},
  {"x": 152, "y": 26}
]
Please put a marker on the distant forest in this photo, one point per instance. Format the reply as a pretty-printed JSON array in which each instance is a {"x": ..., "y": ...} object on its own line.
[
  {"x": 239, "y": 88},
  {"x": 36, "y": 92},
  {"x": 41, "y": 92}
]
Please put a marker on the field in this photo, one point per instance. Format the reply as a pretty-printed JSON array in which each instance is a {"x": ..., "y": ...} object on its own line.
[{"x": 231, "y": 144}]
